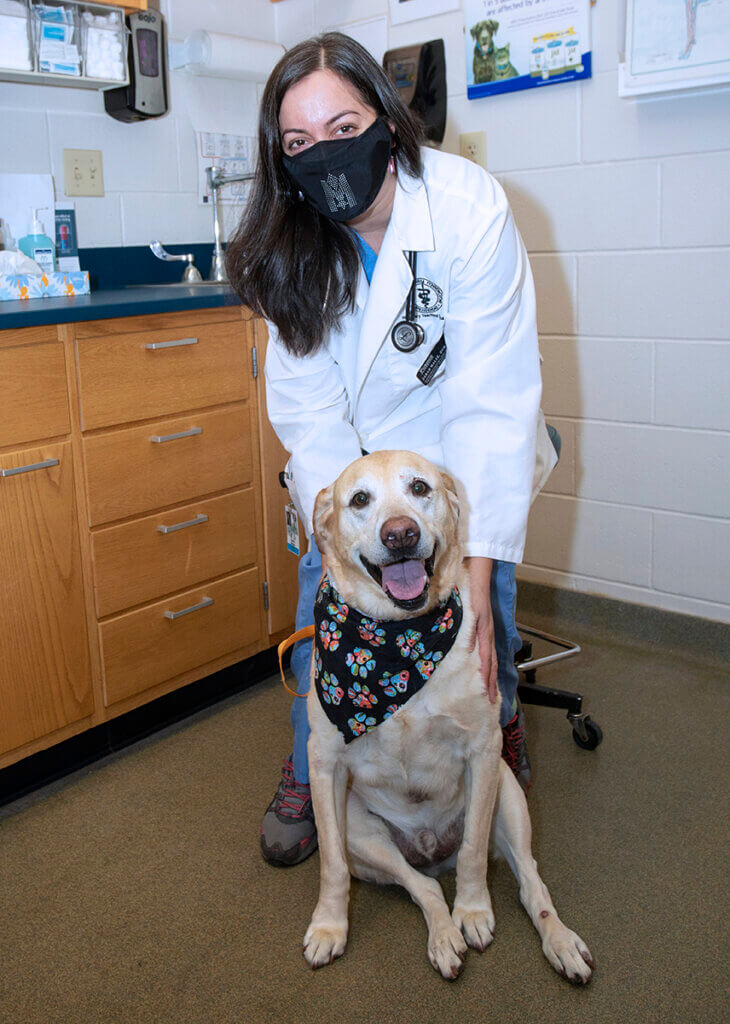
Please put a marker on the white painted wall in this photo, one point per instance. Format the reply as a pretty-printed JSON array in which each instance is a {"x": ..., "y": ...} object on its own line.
[
  {"x": 625, "y": 210},
  {"x": 150, "y": 169}
]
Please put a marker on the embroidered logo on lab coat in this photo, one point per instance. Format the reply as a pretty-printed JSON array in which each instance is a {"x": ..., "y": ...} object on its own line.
[{"x": 429, "y": 298}]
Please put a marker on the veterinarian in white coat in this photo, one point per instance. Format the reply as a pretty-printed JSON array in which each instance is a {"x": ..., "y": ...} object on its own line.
[{"x": 349, "y": 158}]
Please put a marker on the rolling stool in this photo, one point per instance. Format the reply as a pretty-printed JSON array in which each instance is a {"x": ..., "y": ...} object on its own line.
[{"x": 586, "y": 733}]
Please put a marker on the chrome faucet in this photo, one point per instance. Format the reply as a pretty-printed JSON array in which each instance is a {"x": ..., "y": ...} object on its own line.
[{"x": 217, "y": 178}]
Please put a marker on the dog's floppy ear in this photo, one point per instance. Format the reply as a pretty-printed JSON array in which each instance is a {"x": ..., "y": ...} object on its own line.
[
  {"x": 322, "y": 517},
  {"x": 492, "y": 27},
  {"x": 451, "y": 494},
  {"x": 474, "y": 30}
]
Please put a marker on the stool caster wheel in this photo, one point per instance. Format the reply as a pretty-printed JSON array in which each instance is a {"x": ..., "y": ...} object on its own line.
[{"x": 587, "y": 734}]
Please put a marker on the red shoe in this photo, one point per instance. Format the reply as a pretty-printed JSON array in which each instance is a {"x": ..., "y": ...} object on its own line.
[{"x": 514, "y": 749}]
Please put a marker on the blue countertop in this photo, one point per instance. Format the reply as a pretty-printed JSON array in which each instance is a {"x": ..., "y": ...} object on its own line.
[{"x": 108, "y": 303}]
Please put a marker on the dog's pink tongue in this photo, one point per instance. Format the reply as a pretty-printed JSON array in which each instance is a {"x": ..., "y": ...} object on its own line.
[{"x": 404, "y": 580}]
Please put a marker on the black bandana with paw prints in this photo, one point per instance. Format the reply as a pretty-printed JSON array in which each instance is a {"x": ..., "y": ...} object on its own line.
[{"x": 366, "y": 669}]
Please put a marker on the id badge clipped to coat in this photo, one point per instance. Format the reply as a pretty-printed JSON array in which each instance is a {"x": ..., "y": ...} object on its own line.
[{"x": 292, "y": 529}]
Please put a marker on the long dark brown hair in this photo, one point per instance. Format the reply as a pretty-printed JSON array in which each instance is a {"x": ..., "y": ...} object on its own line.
[{"x": 286, "y": 261}]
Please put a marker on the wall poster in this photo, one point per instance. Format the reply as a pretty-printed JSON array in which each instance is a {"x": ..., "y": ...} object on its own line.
[
  {"x": 674, "y": 44},
  {"x": 525, "y": 44},
  {"x": 411, "y": 10}
]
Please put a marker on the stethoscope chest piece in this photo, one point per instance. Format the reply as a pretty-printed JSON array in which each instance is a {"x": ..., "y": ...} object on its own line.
[{"x": 407, "y": 336}]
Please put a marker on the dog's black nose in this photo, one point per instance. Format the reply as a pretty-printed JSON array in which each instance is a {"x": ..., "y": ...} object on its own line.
[{"x": 400, "y": 533}]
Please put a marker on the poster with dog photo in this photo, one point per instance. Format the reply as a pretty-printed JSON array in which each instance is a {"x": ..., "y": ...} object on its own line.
[{"x": 525, "y": 44}]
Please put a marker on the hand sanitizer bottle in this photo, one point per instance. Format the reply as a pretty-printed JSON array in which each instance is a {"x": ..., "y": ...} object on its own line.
[{"x": 38, "y": 245}]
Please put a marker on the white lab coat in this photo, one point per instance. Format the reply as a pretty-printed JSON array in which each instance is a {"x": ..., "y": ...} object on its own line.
[{"x": 479, "y": 417}]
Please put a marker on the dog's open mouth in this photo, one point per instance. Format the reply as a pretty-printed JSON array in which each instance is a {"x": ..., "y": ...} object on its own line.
[{"x": 406, "y": 581}]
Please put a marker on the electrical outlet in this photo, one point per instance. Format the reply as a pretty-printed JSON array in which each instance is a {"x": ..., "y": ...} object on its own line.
[
  {"x": 83, "y": 172},
  {"x": 473, "y": 146}
]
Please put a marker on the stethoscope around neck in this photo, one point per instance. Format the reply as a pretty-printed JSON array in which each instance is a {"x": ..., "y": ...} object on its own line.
[{"x": 407, "y": 335}]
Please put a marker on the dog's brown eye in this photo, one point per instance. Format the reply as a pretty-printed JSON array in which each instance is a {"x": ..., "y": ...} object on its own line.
[
  {"x": 360, "y": 499},
  {"x": 420, "y": 488}
]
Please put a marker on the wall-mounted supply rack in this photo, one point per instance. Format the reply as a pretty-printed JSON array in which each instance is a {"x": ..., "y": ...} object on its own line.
[{"x": 74, "y": 44}]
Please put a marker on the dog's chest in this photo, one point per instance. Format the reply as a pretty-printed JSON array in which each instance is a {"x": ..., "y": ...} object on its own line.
[{"x": 415, "y": 758}]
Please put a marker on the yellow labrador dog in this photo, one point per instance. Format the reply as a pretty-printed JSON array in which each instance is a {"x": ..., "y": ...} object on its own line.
[{"x": 402, "y": 800}]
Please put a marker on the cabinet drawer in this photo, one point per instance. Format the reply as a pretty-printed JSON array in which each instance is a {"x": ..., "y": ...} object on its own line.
[
  {"x": 139, "y": 561},
  {"x": 128, "y": 472},
  {"x": 145, "y": 647},
  {"x": 33, "y": 402},
  {"x": 125, "y": 378}
]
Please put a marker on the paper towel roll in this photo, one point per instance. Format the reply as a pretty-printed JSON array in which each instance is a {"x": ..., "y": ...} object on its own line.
[{"x": 221, "y": 56}]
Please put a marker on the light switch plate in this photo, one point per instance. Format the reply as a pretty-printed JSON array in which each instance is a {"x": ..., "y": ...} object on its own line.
[
  {"x": 473, "y": 146},
  {"x": 83, "y": 172}
]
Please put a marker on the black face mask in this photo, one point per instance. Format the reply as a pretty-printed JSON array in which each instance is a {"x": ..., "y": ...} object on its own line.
[{"x": 341, "y": 178}]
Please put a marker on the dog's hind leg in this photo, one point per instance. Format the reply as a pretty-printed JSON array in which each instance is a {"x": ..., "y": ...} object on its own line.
[
  {"x": 374, "y": 857},
  {"x": 326, "y": 936},
  {"x": 565, "y": 950}
]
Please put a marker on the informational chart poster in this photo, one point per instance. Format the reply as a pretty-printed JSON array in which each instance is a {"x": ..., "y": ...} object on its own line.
[
  {"x": 234, "y": 154},
  {"x": 675, "y": 44},
  {"x": 525, "y": 44},
  {"x": 414, "y": 10}
]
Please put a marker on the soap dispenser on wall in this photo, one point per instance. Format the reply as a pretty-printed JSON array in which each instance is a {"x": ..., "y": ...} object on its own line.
[{"x": 38, "y": 246}]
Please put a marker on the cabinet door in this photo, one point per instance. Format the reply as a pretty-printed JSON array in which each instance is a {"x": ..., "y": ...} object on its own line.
[
  {"x": 281, "y": 564},
  {"x": 45, "y": 678}
]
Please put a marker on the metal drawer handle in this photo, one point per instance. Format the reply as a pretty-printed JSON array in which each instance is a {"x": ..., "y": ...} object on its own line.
[
  {"x": 205, "y": 603},
  {"x": 161, "y": 438},
  {"x": 155, "y": 345},
  {"x": 200, "y": 518},
  {"x": 29, "y": 468}
]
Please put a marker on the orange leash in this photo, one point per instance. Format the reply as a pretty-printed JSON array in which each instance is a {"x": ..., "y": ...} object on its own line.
[{"x": 301, "y": 634}]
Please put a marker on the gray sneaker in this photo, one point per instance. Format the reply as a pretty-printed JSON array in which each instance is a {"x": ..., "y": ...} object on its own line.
[{"x": 288, "y": 832}]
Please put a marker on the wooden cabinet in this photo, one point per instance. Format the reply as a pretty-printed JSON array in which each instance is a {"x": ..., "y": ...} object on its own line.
[
  {"x": 135, "y": 558},
  {"x": 45, "y": 670},
  {"x": 173, "y": 502}
]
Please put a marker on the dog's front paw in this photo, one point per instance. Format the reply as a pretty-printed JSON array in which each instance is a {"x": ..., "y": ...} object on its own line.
[
  {"x": 446, "y": 950},
  {"x": 476, "y": 924},
  {"x": 323, "y": 943},
  {"x": 568, "y": 954}
]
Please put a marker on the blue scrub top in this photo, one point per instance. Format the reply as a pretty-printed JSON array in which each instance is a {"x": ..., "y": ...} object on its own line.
[{"x": 368, "y": 256}]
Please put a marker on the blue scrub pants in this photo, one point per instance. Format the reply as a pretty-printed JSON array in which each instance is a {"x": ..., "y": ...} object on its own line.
[{"x": 506, "y": 638}]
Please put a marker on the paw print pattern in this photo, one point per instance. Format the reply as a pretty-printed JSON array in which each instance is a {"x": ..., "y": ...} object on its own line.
[
  {"x": 371, "y": 632},
  {"x": 425, "y": 666},
  {"x": 361, "y": 723},
  {"x": 329, "y": 635},
  {"x": 443, "y": 622},
  {"x": 332, "y": 692},
  {"x": 409, "y": 644},
  {"x": 389, "y": 711},
  {"x": 393, "y": 684},
  {"x": 361, "y": 696},
  {"x": 360, "y": 661},
  {"x": 339, "y": 612}
]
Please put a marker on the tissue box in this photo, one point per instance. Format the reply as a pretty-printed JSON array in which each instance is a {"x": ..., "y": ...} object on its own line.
[{"x": 35, "y": 286}]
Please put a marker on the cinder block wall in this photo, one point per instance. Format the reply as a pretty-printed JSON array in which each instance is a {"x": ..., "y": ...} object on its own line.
[{"x": 624, "y": 206}]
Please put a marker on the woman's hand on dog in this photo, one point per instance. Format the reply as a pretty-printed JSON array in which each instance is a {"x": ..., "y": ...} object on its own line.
[{"x": 480, "y": 575}]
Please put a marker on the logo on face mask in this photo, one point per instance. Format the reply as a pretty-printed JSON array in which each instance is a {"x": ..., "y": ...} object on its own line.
[{"x": 337, "y": 192}]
